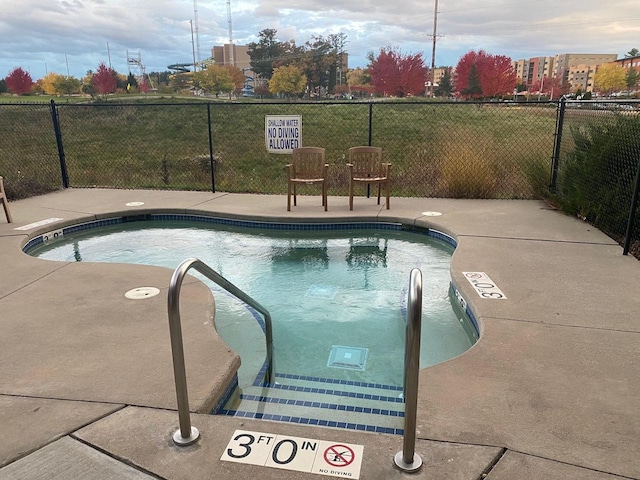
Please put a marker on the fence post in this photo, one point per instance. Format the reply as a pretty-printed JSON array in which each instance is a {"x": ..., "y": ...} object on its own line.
[
  {"x": 213, "y": 178},
  {"x": 632, "y": 213},
  {"x": 370, "y": 138},
  {"x": 56, "y": 130},
  {"x": 555, "y": 161}
]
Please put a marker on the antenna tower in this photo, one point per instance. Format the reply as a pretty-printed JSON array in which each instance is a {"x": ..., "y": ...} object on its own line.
[
  {"x": 231, "y": 60},
  {"x": 195, "y": 20}
]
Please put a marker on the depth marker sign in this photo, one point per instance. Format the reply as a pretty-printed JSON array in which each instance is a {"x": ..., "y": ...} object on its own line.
[
  {"x": 282, "y": 133},
  {"x": 484, "y": 286},
  {"x": 295, "y": 453}
]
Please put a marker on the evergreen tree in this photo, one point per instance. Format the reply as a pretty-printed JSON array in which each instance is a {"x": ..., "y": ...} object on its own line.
[
  {"x": 445, "y": 86},
  {"x": 474, "y": 88}
]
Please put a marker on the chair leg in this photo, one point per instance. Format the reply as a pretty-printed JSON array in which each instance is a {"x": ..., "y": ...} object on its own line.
[
  {"x": 288, "y": 196},
  {"x": 324, "y": 196},
  {"x": 387, "y": 187},
  {"x": 350, "y": 194},
  {"x": 378, "y": 193},
  {"x": 6, "y": 210},
  {"x": 295, "y": 200}
]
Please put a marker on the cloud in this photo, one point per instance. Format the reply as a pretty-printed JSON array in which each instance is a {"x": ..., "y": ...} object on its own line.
[{"x": 44, "y": 36}]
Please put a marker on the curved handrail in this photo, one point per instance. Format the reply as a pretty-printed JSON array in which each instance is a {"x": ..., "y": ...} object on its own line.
[
  {"x": 407, "y": 460},
  {"x": 187, "y": 434}
]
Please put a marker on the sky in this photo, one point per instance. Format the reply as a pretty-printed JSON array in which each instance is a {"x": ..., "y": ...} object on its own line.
[{"x": 74, "y": 36}]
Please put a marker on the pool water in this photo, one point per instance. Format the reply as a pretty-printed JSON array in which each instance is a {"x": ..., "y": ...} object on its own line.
[{"x": 337, "y": 298}]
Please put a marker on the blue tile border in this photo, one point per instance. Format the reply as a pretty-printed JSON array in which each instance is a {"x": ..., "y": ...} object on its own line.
[
  {"x": 313, "y": 421},
  {"x": 352, "y": 383},
  {"x": 326, "y": 406},
  {"x": 337, "y": 393}
]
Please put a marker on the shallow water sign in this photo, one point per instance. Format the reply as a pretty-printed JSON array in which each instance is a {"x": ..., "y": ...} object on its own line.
[{"x": 322, "y": 457}]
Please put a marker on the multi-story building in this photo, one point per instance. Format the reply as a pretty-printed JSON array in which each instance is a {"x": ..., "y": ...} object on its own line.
[
  {"x": 533, "y": 70},
  {"x": 580, "y": 77},
  {"x": 629, "y": 63},
  {"x": 578, "y": 68},
  {"x": 231, "y": 54}
]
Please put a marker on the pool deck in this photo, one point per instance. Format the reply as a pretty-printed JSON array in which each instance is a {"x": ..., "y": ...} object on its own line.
[{"x": 551, "y": 390}]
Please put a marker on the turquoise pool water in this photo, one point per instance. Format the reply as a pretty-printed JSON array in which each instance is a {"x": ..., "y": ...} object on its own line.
[{"x": 337, "y": 298}]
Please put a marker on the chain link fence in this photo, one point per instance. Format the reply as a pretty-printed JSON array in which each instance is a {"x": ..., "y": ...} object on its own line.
[
  {"x": 587, "y": 152},
  {"x": 597, "y": 166}
]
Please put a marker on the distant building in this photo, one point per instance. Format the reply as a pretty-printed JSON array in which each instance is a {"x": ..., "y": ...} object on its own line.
[
  {"x": 533, "y": 70},
  {"x": 576, "y": 68},
  {"x": 629, "y": 63},
  {"x": 228, "y": 54}
]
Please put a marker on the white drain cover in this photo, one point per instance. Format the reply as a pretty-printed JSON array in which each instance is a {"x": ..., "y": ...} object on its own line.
[
  {"x": 141, "y": 293},
  {"x": 350, "y": 358},
  {"x": 134, "y": 204},
  {"x": 431, "y": 214}
]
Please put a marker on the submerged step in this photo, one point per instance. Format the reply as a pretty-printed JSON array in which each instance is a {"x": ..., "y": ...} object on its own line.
[{"x": 324, "y": 414}]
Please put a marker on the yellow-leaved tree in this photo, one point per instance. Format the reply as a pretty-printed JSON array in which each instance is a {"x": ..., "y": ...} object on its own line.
[
  {"x": 287, "y": 81},
  {"x": 610, "y": 78},
  {"x": 48, "y": 83}
]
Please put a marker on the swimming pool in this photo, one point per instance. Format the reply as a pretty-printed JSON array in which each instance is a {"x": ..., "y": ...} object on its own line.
[{"x": 336, "y": 293}]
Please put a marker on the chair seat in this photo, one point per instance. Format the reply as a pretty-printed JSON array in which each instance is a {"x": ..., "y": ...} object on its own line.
[
  {"x": 369, "y": 179},
  {"x": 307, "y": 180}
]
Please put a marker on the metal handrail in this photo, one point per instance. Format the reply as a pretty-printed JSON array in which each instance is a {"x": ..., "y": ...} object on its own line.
[
  {"x": 407, "y": 460},
  {"x": 187, "y": 434}
]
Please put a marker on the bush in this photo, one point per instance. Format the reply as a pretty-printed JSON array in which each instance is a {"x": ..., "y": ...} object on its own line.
[{"x": 597, "y": 177}]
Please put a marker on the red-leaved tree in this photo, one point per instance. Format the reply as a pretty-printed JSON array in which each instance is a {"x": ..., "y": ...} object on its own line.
[
  {"x": 105, "y": 80},
  {"x": 393, "y": 73},
  {"x": 18, "y": 81},
  {"x": 480, "y": 74}
]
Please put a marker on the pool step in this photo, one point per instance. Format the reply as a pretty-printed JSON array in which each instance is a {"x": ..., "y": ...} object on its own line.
[{"x": 352, "y": 405}]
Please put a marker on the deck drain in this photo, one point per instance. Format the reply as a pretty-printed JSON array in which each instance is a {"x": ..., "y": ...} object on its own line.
[
  {"x": 349, "y": 358},
  {"x": 141, "y": 293},
  {"x": 134, "y": 204},
  {"x": 431, "y": 214}
]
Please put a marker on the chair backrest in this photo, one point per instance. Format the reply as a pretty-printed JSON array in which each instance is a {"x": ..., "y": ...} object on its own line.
[
  {"x": 308, "y": 162},
  {"x": 366, "y": 161}
]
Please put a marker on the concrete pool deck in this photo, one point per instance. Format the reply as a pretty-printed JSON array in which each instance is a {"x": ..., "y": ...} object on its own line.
[{"x": 551, "y": 390}]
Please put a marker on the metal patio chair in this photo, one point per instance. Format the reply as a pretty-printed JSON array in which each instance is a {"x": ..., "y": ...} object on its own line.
[
  {"x": 366, "y": 167},
  {"x": 307, "y": 167}
]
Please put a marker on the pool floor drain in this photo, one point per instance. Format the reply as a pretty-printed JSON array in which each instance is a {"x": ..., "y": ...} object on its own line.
[
  {"x": 141, "y": 293},
  {"x": 350, "y": 358}
]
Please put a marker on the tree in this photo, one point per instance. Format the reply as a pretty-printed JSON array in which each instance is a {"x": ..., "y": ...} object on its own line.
[
  {"x": 237, "y": 77},
  {"x": 214, "y": 79},
  {"x": 632, "y": 79},
  {"x": 634, "y": 52},
  {"x": 287, "y": 81},
  {"x": 179, "y": 81},
  {"x": 104, "y": 80},
  {"x": 3, "y": 85},
  {"x": 66, "y": 85},
  {"x": 318, "y": 63},
  {"x": 397, "y": 74},
  {"x": 445, "y": 86},
  {"x": 19, "y": 82},
  {"x": 495, "y": 75},
  {"x": 48, "y": 81},
  {"x": 132, "y": 82},
  {"x": 264, "y": 53},
  {"x": 610, "y": 77}
]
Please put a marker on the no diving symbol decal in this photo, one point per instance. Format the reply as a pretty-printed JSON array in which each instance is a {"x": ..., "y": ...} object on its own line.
[{"x": 339, "y": 455}]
